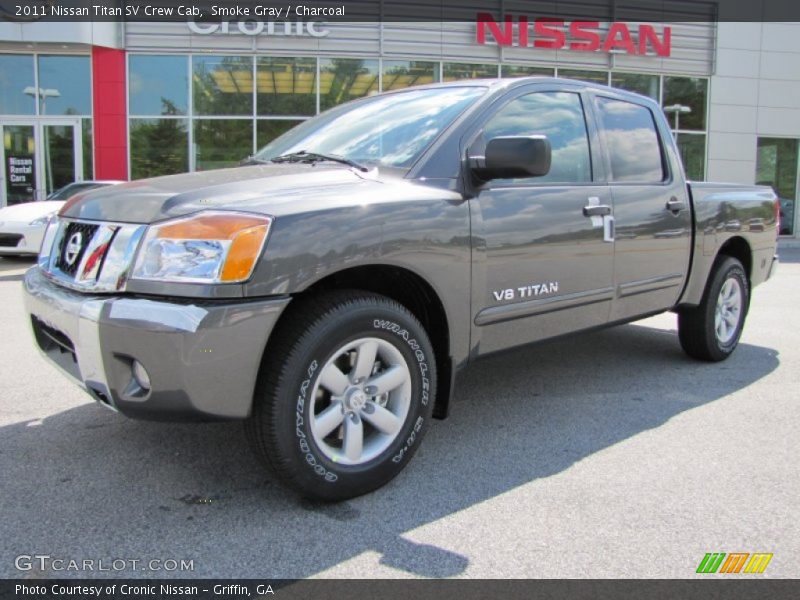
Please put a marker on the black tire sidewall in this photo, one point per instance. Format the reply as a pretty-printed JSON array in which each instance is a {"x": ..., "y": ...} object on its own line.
[
  {"x": 727, "y": 269},
  {"x": 312, "y": 470}
]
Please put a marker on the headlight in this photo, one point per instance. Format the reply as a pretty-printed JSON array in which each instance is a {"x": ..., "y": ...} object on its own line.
[
  {"x": 209, "y": 247},
  {"x": 44, "y": 220}
]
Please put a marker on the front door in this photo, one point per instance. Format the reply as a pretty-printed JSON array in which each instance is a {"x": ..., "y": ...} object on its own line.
[
  {"x": 61, "y": 154},
  {"x": 542, "y": 265},
  {"x": 38, "y": 158}
]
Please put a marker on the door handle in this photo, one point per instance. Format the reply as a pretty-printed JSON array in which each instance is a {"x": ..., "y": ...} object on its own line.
[
  {"x": 596, "y": 210},
  {"x": 675, "y": 205}
]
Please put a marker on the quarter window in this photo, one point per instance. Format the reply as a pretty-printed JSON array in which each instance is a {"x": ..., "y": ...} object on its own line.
[
  {"x": 633, "y": 143},
  {"x": 559, "y": 116}
]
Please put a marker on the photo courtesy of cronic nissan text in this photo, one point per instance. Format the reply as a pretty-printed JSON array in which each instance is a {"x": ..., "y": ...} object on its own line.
[{"x": 379, "y": 298}]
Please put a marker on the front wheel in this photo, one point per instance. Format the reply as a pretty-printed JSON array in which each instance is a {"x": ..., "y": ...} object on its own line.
[
  {"x": 345, "y": 395},
  {"x": 711, "y": 331}
]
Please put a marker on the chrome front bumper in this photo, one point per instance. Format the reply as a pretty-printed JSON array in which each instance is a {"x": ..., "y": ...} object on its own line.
[{"x": 202, "y": 359}]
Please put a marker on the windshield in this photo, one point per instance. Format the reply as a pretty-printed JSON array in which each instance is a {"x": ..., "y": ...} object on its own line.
[{"x": 391, "y": 130}]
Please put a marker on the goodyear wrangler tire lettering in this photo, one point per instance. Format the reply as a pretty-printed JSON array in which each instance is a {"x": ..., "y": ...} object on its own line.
[{"x": 346, "y": 396}]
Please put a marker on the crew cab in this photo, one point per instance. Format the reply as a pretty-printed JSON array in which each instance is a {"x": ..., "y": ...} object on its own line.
[{"x": 327, "y": 291}]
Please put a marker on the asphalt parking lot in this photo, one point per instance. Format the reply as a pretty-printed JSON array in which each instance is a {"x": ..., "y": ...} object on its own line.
[{"x": 606, "y": 455}]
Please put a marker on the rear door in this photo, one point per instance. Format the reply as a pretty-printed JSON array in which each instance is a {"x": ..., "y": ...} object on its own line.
[
  {"x": 652, "y": 215},
  {"x": 541, "y": 267}
]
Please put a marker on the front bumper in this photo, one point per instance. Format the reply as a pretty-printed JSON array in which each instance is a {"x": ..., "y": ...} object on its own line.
[
  {"x": 202, "y": 358},
  {"x": 21, "y": 238}
]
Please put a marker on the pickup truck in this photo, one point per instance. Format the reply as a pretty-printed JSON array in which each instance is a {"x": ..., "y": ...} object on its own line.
[{"x": 327, "y": 291}]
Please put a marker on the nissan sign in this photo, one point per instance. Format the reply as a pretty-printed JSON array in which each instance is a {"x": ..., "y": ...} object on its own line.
[
  {"x": 252, "y": 27},
  {"x": 580, "y": 36}
]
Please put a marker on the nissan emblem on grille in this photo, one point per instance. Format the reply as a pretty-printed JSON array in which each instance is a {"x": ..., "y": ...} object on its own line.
[
  {"x": 73, "y": 248},
  {"x": 77, "y": 237}
]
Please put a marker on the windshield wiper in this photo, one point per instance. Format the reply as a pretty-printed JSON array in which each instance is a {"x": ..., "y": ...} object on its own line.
[{"x": 304, "y": 156}]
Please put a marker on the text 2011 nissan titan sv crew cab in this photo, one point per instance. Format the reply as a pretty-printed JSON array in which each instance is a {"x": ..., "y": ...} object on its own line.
[{"x": 328, "y": 290}]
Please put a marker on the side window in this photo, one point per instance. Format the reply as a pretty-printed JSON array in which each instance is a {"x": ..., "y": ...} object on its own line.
[
  {"x": 633, "y": 143},
  {"x": 559, "y": 116}
]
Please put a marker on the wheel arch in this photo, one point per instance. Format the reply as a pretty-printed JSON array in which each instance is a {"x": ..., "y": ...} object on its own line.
[
  {"x": 737, "y": 247},
  {"x": 413, "y": 292}
]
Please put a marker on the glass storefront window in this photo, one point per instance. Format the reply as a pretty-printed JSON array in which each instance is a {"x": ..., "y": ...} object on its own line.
[
  {"x": 776, "y": 166},
  {"x": 223, "y": 85},
  {"x": 456, "y": 71},
  {"x": 158, "y": 85},
  {"x": 399, "y": 74},
  {"x": 286, "y": 86},
  {"x": 600, "y": 77},
  {"x": 17, "y": 84},
  {"x": 691, "y": 92},
  {"x": 268, "y": 130},
  {"x": 525, "y": 71},
  {"x": 692, "y": 147},
  {"x": 158, "y": 147},
  {"x": 647, "y": 85},
  {"x": 343, "y": 79},
  {"x": 220, "y": 143},
  {"x": 65, "y": 86}
]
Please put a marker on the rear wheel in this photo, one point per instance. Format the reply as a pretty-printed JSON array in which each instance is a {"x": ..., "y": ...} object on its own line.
[
  {"x": 345, "y": 395},
  {"x": 711, "y": 331}
]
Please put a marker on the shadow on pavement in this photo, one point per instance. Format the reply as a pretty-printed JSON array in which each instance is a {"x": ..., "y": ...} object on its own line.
[{"x": 86, "y": 482}]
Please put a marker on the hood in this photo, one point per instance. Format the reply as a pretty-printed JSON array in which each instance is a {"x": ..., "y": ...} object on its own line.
[
  {"x": 273, "y": 189},
  {"x": 28, "y": 211}
]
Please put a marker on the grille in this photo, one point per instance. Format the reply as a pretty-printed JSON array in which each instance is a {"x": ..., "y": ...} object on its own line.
[
  {"x": 68, "y": 250},
  {"x": 9, "y": 240}
]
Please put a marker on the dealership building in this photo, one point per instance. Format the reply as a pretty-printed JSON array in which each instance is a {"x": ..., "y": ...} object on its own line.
[{"x": 130, "y": 100}]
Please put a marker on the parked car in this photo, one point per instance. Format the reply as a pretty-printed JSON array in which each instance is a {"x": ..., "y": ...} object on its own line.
[
  {"x": 22, "y": 226},
  {"x": 328, "y": 295}
]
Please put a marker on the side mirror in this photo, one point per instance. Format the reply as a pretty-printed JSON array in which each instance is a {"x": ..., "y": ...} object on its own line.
[{"x": 513, "y": 156}]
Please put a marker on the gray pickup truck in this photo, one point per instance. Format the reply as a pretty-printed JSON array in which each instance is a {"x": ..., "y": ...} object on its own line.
[{"x": 328, "y": 290}]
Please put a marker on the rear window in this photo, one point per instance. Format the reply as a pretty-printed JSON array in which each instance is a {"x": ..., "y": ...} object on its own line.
[{"x": 633, "y": 144}]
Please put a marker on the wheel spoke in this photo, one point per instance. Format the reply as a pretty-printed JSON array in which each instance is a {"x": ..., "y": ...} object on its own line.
[
  {"x": 333, "y": 380},
  {"x": 365, "y": 359},
  {"x": 388, "y": 380},
  {"x": 329, "y": 419},
  {"x": 725, "y": 292},
  {"x": 353, "y": 437},
  {"x": 384, "y": 420}
]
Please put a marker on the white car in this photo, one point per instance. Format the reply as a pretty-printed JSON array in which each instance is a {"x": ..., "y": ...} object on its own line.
[{"x": 22, "y": 225}]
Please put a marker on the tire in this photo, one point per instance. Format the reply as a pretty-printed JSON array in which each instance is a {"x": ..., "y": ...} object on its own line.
[
  {"x": 711, "y": 331},
  {"x": 306, "y": 416}
]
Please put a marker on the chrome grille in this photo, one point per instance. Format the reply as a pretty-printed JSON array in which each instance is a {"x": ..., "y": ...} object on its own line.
[
  {"x": 98, "y": 260},
  {"x": 73, "y": 245}
]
